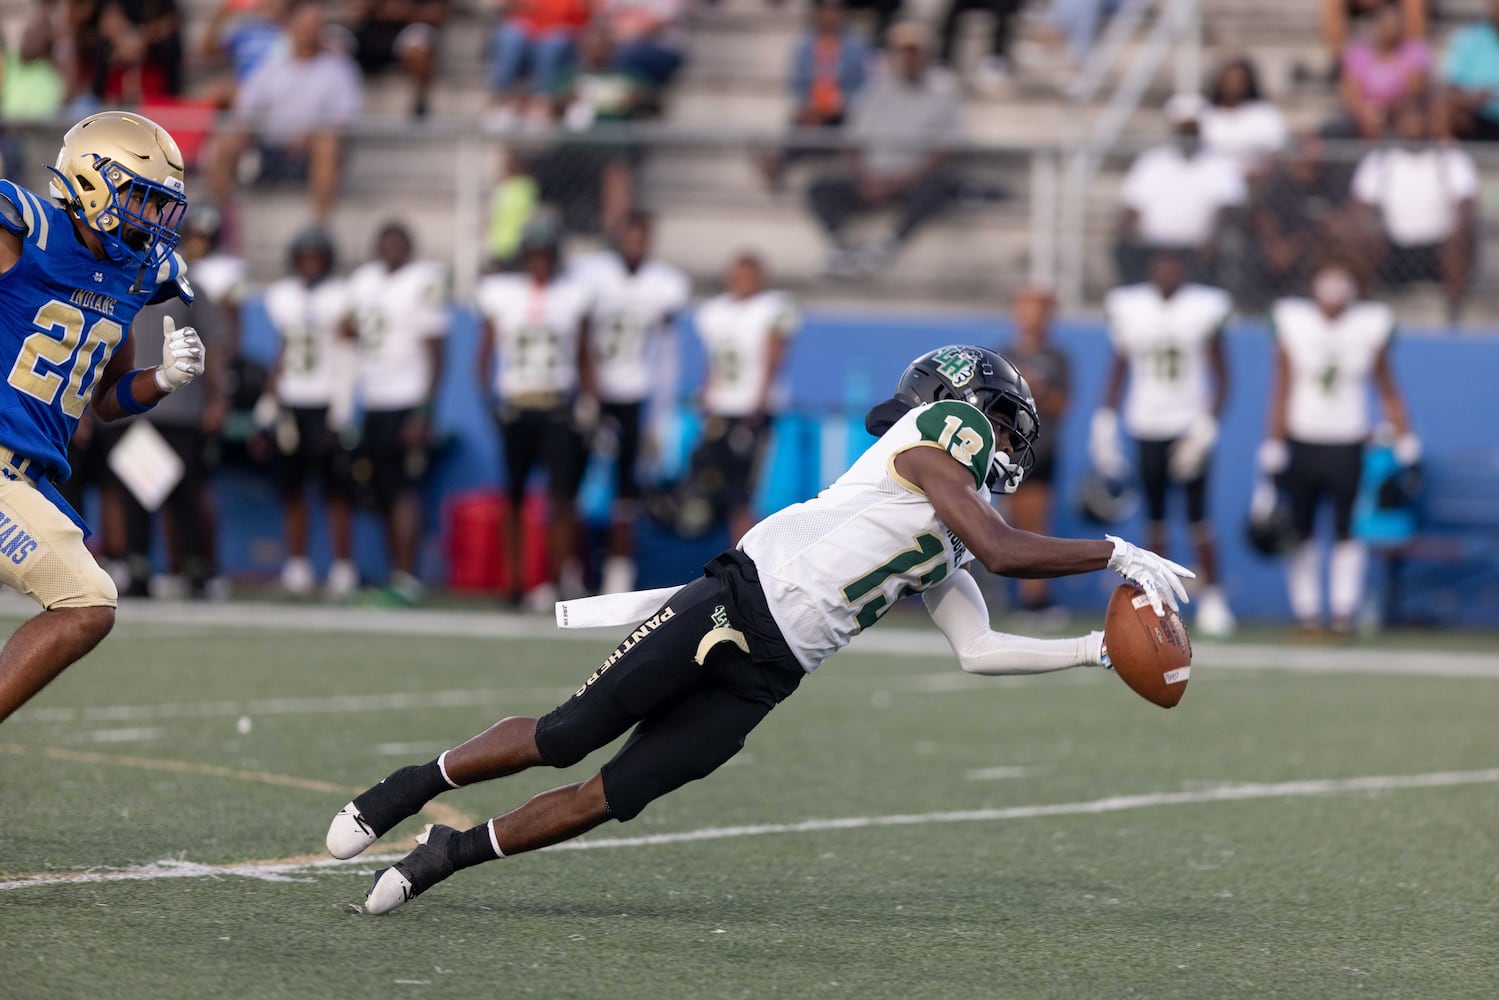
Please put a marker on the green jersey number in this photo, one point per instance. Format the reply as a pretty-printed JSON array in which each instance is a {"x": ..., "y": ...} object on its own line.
[
  {"x": 1168, "y": 363},
  {"x": 962, "y": 431},
  {"x": 928, "y": 547}
]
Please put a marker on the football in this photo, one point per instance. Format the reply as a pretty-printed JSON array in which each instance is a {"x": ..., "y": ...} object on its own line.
[{"x": 1152, "y": 654}]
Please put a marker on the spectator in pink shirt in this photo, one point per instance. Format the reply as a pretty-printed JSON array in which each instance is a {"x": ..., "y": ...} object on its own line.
[{"x": 1381, "y": 70}]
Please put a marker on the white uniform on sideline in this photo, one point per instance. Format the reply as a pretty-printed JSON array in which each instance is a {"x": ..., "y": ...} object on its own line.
[
  {"x": 308, "y": 321},
  {"x": 537, "y": 330},
  {"x": 631, "y": 310},
  {"x": 1166, "y": 342},
  {"x": 395, "y": 314},
  {"x": 223, "y": 279},
  {"x": 737, "y": 335},
  {"x": 1332, "y": 360}
]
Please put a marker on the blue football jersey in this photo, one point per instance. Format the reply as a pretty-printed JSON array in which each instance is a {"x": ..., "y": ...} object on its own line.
[{"x": 63, "y": 313}]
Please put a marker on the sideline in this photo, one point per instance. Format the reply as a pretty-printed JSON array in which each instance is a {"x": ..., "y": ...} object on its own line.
[
  {"x": 286, "y": 869},
  {"x": 194, "y": 618}
]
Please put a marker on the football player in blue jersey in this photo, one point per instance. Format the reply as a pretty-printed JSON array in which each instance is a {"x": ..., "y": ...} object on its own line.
[{"x": 75, "y": 268}]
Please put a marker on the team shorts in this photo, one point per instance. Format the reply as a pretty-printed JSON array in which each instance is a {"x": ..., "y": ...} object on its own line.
[
  {"x": 727, "y": 459},
  {"x": 622, "y": 422},
  {"x": 383, "y": 464},
  {"x": 546, "y": 438},
  {"x": 1318, "y": 472},
  {"x": 42, "y": 554},
  {"x": 307, "y": 451},
  {"x": 1155, "y": 481},
  {"x": 693, "y": 679}
]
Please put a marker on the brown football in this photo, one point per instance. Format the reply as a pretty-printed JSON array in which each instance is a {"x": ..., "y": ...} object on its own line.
[{"x": 1152, "y": 654}]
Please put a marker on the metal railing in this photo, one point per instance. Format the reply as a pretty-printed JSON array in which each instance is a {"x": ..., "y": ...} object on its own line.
[{"x": 1049, "y": 227}]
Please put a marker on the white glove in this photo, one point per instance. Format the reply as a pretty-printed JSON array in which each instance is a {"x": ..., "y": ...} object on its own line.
[
  {"x": 266, "y": 411},
  {"x": 1191, "y": 449},
  {"x": 1407, "y": 449},
  {"x": 1103, "y": 444},
  {"x": 1160, "y": 578},
  {"x": 181, "y": 356},
  {"x": 1272, "y": 457}
]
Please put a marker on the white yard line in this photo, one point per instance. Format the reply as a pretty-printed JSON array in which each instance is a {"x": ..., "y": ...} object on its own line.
[
  {"x": 306, "y": 705},
  {"x": 288, "y": 871},
  {"x": 888, "y": 641},
  {"x": 996, "y": 773}
]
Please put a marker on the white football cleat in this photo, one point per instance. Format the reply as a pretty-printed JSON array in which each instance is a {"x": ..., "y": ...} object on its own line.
[
  {"x": 1214, "y": 619},
  {"x": 349, "y": 834},
  {"x": 391, "y": 889},
  {"x": 426, "y": 865}
]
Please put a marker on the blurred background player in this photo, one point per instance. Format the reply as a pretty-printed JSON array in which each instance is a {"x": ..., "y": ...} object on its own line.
[
  {"x": 191, "y": 423},
  {"x": 82, "y": 260},
  {"x": 746, "y": 333},
  {"x": 1048, "y": 371},
  {"x": 636, "y": 299},
  {"x": 1167, "y": 336},
  {"x": 399, "y": 315},
  {"x": 307, "y": 404},
  {"x": 1329, "y": 350},
  {"x": 536, "y": 324},
  {"x": 221, "y": 278}
]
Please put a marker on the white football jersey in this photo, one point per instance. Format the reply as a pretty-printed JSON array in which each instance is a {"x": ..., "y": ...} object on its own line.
[
  {"x": 396, "y": 313},
  {"x": 737, "y": 334},
  {"x": 308, "y": 322},
  {"x": 222, "y": 279},
  {"x": 537, "y": 331},
  {"x": 1166, "y": 343},
  {"x": 830, "y": 567},
  {"x": 1331, "y": 364},
  {"x": 631, "y": 310}
]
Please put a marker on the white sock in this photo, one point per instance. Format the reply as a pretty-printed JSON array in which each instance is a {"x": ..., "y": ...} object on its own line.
[
  {"x": 1304, "y": 581},
  {"x": 443, "y": 767},
  {"x": 492, "y": 842},
  {"x": 1345, "y": 585}
]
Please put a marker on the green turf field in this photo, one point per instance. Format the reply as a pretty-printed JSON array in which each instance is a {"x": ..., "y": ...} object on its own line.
[{"x": 1324, "y": 831}]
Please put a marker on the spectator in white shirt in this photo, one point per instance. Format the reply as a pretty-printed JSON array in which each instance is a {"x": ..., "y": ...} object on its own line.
[
  {"x": 1424, "y": 196},
  {"x": 1238, "y": 122},
  {"x": 1176, "y": 196}
]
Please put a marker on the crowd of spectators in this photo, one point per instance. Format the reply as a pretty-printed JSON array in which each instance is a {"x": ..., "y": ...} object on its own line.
[{"x": 1256, "y": 207}]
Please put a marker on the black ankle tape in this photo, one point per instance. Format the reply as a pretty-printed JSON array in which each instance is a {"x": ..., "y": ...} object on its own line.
[
  {"x": 400, "y": 795},
  {"x": 471, "y": 847}
]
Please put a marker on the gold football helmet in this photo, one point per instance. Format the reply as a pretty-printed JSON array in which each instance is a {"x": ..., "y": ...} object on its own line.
[{"x": 121, "y": 173}]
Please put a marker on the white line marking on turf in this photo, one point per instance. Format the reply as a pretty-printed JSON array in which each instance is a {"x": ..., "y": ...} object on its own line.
[
  {"x": 889, "y": 641},
  {"x": 136, "y": 734},
  {"x": 408, "y": 749},
  {"x": 996, "y": 773},
  {"x": 309, "y": 705},
  {"x": 278, "y": 872}
]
